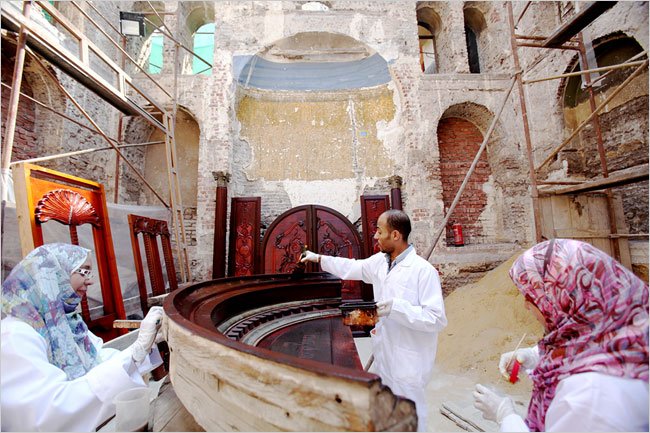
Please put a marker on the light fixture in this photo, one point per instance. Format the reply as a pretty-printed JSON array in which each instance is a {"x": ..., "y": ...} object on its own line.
[{"x": 131, "y": 24}]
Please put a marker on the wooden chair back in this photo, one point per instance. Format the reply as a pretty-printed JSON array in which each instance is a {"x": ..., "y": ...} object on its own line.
[
  {"x": 44, "y": 195},
  {"x": 151, "y": 230}
]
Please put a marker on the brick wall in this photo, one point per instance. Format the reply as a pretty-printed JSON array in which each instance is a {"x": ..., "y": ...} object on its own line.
[
  {"x": 25, "y": 137},
  {"x": 459, "y": 140}
]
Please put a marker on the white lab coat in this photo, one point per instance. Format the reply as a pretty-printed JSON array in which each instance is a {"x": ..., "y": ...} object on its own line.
[
  {"x": 592, "y": 402},
  {"x": 37, "y": 396},
  {"x": 404, "y": 342}
]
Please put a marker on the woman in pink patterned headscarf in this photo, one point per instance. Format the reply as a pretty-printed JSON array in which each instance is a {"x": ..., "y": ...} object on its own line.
[{"x": 590, "y": 371}]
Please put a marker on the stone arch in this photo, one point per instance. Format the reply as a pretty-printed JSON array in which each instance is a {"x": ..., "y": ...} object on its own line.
[
  {"x": 197, "y": 15},
  {"x": 492, "y": 207},
  {"x": 458, "y": 140},
  {"x": 151, "y": 159}
]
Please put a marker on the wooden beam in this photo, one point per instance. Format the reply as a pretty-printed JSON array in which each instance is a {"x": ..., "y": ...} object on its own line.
[
  {"x": 623, "y": 177},
  {"x": 594, "y": 113},
  {"x": 578, "y": 22},
  {"x": 47, "y": 45}
]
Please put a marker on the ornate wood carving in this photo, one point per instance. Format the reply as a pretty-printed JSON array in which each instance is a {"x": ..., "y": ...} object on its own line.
[
  {"x": 67, "y": 207},
  {"x": 245, "y": 217},
  {"x": 371, "y": 207},
  {"x": 322, "y": 229},
  {"x": 151, "y": 229},
  {"x": 285, "y": 242}
]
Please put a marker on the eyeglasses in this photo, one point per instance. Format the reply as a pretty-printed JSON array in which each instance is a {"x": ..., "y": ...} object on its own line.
[{"x": 86, "y": 273}]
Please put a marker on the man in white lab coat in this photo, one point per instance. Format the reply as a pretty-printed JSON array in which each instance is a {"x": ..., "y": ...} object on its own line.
[{"x": 409, "y": 303}]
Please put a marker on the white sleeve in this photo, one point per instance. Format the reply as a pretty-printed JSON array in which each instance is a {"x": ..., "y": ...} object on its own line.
[
  {"x": 430, "y": 314},
  {"x": 351, "y": 269},
  {"x": 513, "y": 423},
  {"x": 37, "y": 395},
  {"x": 598, "y": 402}
]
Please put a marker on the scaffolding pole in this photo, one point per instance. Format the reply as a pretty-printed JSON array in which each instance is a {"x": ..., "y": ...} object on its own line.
[
  {"x": 593, "y": 114},
  {"x": 95, "y": 125},
  {"x": 12, "y": 112},
  {"x": 524, "y": 115}
]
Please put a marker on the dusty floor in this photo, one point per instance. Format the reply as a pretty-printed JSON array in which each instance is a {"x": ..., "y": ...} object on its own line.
[{"x": 486, "y": 319}]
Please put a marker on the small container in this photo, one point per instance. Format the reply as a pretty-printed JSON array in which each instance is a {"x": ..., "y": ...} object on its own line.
[
  {"x": 362, "y": 313},
  {"x": 514, "y": 374}
]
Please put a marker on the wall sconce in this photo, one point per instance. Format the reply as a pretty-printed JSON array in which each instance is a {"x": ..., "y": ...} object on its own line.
[{"x": 131, "y": 24}]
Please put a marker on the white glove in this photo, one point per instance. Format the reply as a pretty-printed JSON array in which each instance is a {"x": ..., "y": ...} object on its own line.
[
  {"x": 147, "y": 334},
  {"x": 528, "y": 357},
  {"x": 384, "y": 307},
  {"x": 310, "y": 257},
  {"x": 491, "y": 405}
]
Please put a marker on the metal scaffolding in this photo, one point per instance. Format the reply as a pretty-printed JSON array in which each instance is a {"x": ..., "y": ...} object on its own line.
[{"x": 36, "y": 41}]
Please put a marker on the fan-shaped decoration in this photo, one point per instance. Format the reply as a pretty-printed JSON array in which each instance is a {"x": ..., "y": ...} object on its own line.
[{"x": 67, "y": 207}]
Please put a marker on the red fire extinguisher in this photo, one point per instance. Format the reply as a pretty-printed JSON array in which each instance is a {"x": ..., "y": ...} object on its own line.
[{"x": 458, "y": 235}]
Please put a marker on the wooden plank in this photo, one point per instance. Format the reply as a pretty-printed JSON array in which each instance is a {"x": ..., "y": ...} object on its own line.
[
  {"x": 227, "y": 389},
  {"x": 621, "y": 227},
  {"x": 22, "y": 191},
  {"x": 587, "y": 14},
  {"x": 546, "y": 217},
  {"x": 561, "y": 213},
  {"x": 48, "y": 46},
  {"x": 624, "y": 177}
]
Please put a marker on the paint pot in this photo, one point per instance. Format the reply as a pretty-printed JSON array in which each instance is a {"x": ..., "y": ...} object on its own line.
[
  {"x": 363, "y": 313},
  {"x": 514, "y": 374}
]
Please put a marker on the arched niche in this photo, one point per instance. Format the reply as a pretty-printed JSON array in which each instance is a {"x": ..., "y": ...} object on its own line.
[
  {"x": 151, "y": 160},
  {"x": 493, "y": 207},
  {"x": 310, "y": 108},
  {"x": 625, "y": 142},
  {"x": 39, "y": 131},
  {"x": 458, "y": 142}
]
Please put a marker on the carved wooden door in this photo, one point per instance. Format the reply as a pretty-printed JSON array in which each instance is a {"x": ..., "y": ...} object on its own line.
[{"x": 323, "y": 230}]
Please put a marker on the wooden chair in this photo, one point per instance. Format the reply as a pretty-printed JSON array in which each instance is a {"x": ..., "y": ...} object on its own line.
[
  {"x": 152, "y": 229},
  {"x": 44, "y": 195}
]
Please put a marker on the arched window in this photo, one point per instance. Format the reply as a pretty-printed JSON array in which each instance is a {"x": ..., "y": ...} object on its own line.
[
  {"x": 428, "y": 27},
  {"x": 428, "y": 62},
  {"x": 472, "y": 51},
  {"x": 204, "y": 47},
  {"x": 155, "y": 53},
  {"x": 611, "y": 52},
  {"x": 474, "y": 25}
]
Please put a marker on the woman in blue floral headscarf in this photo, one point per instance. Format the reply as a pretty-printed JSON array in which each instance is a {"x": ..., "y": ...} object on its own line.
[{"x": 55, "y": 374}]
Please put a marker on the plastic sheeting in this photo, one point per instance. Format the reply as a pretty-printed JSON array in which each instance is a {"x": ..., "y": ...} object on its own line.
[{"x": 56, "y": 232}]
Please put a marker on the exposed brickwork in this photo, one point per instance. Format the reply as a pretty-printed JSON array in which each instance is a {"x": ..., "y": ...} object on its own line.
[
  {"x": 24, "y": 138},
  {"x": 459, "y": 140}
]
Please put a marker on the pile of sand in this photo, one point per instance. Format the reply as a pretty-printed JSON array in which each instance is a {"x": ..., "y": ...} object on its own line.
[{"x": 486, "y": 319}]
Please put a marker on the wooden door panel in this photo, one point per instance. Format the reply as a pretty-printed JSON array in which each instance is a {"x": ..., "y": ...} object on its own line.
[{"x": 284, "y": 239}]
